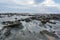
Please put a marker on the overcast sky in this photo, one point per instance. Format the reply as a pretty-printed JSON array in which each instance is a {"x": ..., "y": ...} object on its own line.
[{"x": 30, "y": 6}]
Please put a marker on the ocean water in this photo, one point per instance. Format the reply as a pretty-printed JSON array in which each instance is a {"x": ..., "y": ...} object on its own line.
[{"x": 30, "y": 31}]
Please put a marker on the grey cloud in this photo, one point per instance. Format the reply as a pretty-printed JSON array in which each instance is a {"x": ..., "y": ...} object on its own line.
[
  {"x": 39, "y": 1},
  {"x": 12, "y": 7}
]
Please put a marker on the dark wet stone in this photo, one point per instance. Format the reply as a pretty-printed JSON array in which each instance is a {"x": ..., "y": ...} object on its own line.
[
  {"x": 33, "y": 18},
  {"x": 7, "y": 22},
  {"x": 27, "y": 20},
  {"x": 44, "y": 20},
  {"x": 50, "y": 26},
  {"x": 7, "y": 33},
  {"x": 49, "y": 33},
  {"x": 3, "y": 22},
  {"x": 52, "y": 22}
]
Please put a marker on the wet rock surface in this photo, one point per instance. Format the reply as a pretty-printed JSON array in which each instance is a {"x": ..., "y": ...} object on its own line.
[{"x": 29, "y": 28}]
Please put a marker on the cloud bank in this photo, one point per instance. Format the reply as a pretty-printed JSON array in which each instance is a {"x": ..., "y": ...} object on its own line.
[{"x": 30, "y": 6}]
